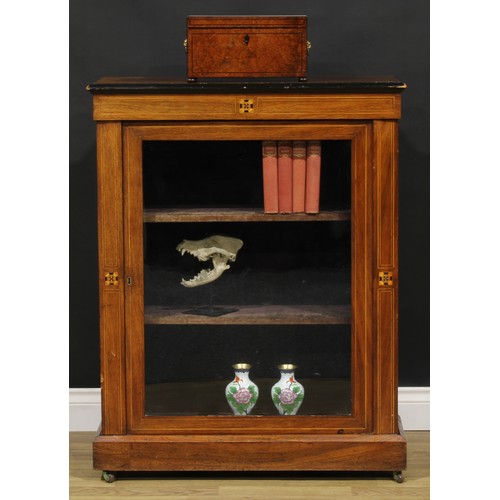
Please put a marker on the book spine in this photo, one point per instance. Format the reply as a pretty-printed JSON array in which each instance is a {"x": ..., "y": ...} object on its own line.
[
  {"x": 299, "y": 176},
  {"x": 270, "y": 176},
  {"x": 285, "y": 177},
  {"x": 313, "y": 174}
]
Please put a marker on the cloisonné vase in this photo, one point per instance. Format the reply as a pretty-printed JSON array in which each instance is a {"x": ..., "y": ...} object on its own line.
[
  {"x": 287, "y": 393},
  {"x": 242, "y": 393}
]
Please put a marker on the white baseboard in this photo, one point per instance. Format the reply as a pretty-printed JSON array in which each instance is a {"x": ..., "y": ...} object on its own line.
[
  {"x": 85, "y": 409},
  {"x": 414, "y": 407}
]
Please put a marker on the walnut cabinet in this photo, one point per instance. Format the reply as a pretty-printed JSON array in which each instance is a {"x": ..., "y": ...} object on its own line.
[{"x": 181, "y": 160}]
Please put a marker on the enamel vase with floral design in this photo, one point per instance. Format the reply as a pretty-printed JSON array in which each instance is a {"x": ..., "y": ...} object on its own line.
[
  {"x": 287, "y": 393},
  {"x": 242, "y": 393}
]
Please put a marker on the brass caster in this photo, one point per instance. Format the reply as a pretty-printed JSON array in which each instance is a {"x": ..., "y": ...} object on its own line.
[
  {"x": 398, "y": 476},
  {"x": 107, "y": 476}
]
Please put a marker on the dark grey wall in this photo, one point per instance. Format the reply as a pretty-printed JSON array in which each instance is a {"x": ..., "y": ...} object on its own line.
[{"x": 349, "y": 37}]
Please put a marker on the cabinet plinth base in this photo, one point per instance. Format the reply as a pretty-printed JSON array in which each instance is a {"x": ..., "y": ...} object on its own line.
[{"x": 356, "y": 452}]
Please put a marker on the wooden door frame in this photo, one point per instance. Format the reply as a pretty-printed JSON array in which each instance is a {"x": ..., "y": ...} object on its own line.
[{"x": 360, "y": 134}]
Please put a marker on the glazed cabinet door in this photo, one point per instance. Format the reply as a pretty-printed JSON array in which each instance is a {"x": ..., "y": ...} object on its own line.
[{"x": 283, "y": 297}]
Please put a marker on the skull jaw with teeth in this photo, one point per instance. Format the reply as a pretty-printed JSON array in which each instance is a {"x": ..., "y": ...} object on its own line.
[{"x": 219, "y": 249}]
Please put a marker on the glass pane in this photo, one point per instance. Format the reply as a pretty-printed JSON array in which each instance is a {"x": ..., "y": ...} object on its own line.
[
  {"x": 202, "y": 173},
  {"x": 229, "y": 173},
  {"x": 189, "y": 367},
  {"x": 284, "y": 300}
]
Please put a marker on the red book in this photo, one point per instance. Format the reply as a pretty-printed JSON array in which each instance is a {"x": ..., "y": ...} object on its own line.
[
  {"x": 299, "y": 176},
  {"x": 285, "y": 176},
  {"x": 270, "y": 176},
  {"x": 313, "y": 171}
]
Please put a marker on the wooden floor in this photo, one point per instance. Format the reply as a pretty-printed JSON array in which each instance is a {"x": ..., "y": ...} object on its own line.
[{"x": 86, "y": 483}]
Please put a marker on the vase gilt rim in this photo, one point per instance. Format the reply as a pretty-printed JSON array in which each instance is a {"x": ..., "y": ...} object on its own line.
[
  {"x": 287, "y": 367},
  {"x": 242, "y": 366}
]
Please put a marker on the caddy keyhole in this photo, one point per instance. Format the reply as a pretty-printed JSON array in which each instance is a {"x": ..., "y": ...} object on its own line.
[{"x": 247, "y": 39}]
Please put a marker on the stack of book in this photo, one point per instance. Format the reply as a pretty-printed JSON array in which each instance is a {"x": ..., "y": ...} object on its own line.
[{"x": 291, "y": 175}]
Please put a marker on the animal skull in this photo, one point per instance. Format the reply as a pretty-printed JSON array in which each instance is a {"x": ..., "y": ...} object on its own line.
[{"x": 220, "y": 249}]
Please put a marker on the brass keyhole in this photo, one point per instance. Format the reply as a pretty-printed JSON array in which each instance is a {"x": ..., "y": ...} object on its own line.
[{"x": 247, "y": 39}]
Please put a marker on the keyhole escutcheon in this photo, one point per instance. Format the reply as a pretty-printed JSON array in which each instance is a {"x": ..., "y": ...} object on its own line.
[{"x": 247, "y": 39}]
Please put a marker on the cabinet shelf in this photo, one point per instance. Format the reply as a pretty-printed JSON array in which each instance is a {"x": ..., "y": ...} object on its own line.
[
  {"x": 254, "y": 315},
  {"x": 237, "y": 215}
]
